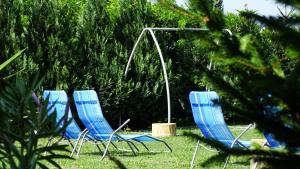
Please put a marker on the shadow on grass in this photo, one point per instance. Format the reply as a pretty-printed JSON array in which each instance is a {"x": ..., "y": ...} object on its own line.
[
  {"x": 122, "y": 153},
  {"x": 240, "y": 161}
]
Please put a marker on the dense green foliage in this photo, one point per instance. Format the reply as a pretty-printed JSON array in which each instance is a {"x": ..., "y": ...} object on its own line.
[
  {"x": 86, "y": 44},
  {"x": 259, "y": 75},
  {"x": 23, "y": 124}
]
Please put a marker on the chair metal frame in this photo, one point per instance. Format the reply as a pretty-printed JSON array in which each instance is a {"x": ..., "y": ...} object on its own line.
[
  {"x": 113, "y": 134},
  {"x": 235, "y": 141}
]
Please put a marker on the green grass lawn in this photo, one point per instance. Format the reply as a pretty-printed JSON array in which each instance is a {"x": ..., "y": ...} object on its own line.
[{"x": 182, "y": 146}]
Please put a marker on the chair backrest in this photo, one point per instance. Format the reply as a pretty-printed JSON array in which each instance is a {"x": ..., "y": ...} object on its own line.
[
  {"x": 271, "y": 141},
  {"x": 209, "y": 117},
  {"x": 58, "y": 101},
  {"x": 90, "y": 113},
  {"x": 271, "y": 111}
]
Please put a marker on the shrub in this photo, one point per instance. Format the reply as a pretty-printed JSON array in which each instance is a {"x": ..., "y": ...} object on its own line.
[{"x": 23, "y": 127}]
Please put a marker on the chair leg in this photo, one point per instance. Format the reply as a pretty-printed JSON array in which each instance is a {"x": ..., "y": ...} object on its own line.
[
  {"x": 226, "y": 162},
  {"x": 133, "y": 152},
  {"x": 59, "y": 140},
  {"x": 74, "y": 149},
  {"x": 82, "y": 140},
  {"x": 113, "y": 145},
  {"x": 144, "y": 145},
  {"x": 70, "y": 142},
  {"x": 77, "y": 141},
  {"x": 110, "y": 141},
  {"x": 98, "y": 146},
  {"x": 131, "y": 145},
  {"x": 134, "y": 146},
  {"x": 106, "y": 149},
  {"x": 120, "y": 149},
  {"x": 194, "y": 155},
  {"x": 167, "y": 145},
  {"x": 48, "y": 143}
]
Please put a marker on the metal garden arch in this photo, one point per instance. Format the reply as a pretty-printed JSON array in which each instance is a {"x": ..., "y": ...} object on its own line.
[{"x": 151, "y": 31}]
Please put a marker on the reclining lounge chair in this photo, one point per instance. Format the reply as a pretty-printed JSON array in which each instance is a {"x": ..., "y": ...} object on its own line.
[
  {"x": 209, "y": 118},
  {"x": 58, "y": 101},
  {"x": 90, "y": 113}
]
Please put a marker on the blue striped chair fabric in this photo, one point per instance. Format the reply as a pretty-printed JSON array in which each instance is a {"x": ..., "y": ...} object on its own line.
[
  {"x": 209, "y": 118},
  {"x": 58, "y": 101},
  {"x": 271, "y": 141},
  {"x": 271, "y": 111}
]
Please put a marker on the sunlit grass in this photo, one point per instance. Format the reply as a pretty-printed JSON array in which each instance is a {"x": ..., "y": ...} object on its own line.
[{"x": 182, "y": 146}]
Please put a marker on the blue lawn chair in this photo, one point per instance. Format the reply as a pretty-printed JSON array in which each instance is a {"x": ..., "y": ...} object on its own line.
[
  {"x": 58, "y": 101},
  {"x": 271, "y": 142},
  {"x": 209, "y": 118},
  {"x": 90, "y": 113}
]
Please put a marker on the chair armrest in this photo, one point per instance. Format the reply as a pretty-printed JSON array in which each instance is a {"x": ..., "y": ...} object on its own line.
[
  {"x": 119, "y": 128},
  {"x": 240, "y": 135}
]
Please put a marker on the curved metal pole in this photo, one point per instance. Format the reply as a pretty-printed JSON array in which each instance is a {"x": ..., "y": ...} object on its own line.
[
  {"x": 160, "y": 56},
  {"x": 228, "y": 31},
  {"x": 151, "y": 29},
  {"x": 132, "y": 52},
  {"x": 165, "y": 73},
  {"x": 162, "y": 63}
]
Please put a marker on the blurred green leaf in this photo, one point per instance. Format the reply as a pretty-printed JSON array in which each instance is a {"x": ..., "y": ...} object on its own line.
[{"x": 15, "y": 56}]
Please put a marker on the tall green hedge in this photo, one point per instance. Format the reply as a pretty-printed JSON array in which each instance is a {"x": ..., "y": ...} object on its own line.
[{"x": 86, "y": 44}]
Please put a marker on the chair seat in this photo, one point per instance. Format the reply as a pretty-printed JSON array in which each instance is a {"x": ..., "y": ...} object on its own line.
[
  {"x": 243, "y": 142},
  {"x": 136, "y": 137}
]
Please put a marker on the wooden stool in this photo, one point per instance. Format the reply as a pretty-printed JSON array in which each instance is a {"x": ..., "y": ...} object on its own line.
[{"x": 163, "y": 129}]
